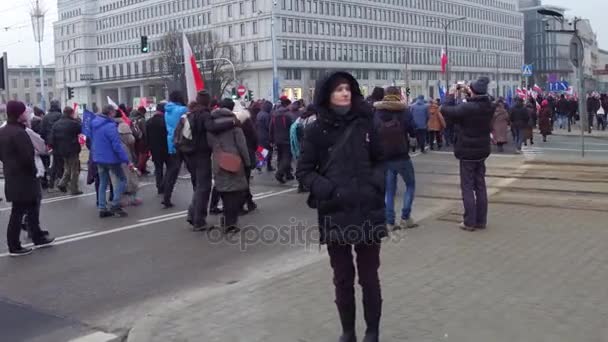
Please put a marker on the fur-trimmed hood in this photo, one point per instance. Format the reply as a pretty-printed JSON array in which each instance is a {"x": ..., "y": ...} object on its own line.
[{"x": 390, "y": 105}]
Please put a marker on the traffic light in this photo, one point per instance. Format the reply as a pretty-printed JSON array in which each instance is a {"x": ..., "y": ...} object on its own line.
[
  {"x": 234, "y": 96},
  {"x": 2, "y": 85},
  {"x": 70, "y": 93},
  {"x": 408, "y": 91},
  {"x": 250, "y": 95},
  {"x": 144, "y": 44}
]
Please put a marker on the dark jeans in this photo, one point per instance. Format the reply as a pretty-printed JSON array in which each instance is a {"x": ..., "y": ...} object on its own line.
[
  {"x": 233, "y": 202},
  {"x": 368, "y": 263},
  {"x": 435, "y": 136},
  {"x": 197, "y": 212},
  {"x": 97, "y": 190},
  {"x": 284, "y": 160},
  {"x": 248, "y": 199},
  {"x": 590, "y": 121},
  {"x": 448, "y": 134},
  {"x": 421, "y": 138},
  {"x": 159, "y": 172},
  {"x": 601, "y": 122},
  {"x": 174, "y": 165},
  {"x": 474, "y": 192},
  {"x": 215, "y": 198},
  {"x": 56, "y": 170}
]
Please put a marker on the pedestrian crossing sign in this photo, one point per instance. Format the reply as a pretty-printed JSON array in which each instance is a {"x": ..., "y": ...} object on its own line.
[{"x": 527, "y": 70}]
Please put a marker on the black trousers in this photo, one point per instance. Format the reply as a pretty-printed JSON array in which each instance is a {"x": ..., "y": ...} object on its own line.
[
  {"x": 215, "y": 198},
  {"x": 19, "y": 210},
  {"x": 269, "y": 156},
  {"x": 284, "y": 160},
  {"x": 248, "y": 198},
  {"x": 56, "y": 170},
  {"x": 233, "y": 202},
  {"x": 159, "y": 171},
  {"x": 174, "y": 165},
  {"x": 197, "y": 212},
  {"x": 368, "y": 263}
]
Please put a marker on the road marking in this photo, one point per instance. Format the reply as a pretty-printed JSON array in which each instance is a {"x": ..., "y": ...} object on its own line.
[
  {"x": 89, "y": 235},
  {"x": 571, "y": 150},
  {"x": 491, "y": 155},
  {"x": 180, "y": 213},
  {"x": 96, "y": 337}
]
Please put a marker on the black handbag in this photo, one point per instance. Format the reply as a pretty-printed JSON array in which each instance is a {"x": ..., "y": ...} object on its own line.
[{"x": 312, "y": 202}]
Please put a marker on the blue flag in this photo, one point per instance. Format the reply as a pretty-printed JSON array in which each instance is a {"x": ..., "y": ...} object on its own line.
[
  {"x": 87, "y": 118},
  {"x": 441, "y": 91},
  {"x": 509, "y": 98}
]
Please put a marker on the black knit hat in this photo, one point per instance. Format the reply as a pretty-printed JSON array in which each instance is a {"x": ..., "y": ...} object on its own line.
[
  {"x": 14, "y": 109},
  {"x": 480, "y": 87}
]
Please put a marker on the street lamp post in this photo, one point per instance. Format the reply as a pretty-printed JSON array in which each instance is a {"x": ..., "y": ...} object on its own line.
[
  {"x": 446, "y": 26},
  {"x": 275, "y": 71},
  {"x": 37, "y": 15}
]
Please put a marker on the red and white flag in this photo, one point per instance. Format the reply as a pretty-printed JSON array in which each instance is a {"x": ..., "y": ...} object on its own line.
[
  {"x": 537, "y": 89},
  {"x": 75, "y": 107},
  {"x": 143, "y": 102},
  {"x": 125, "y": 118},
  {"x": 444, "y": 61},
  {"x": 194, "y": 80}
]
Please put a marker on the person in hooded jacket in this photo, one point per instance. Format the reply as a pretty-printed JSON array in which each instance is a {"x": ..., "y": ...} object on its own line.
[
  {"x": 48, "y": 121},
  {"x": 377, "y": 95},
  {"x": 263, "y": 120},
  {"x": 65, "y": 143},
  {"x": 500, "y": 125},
  {"x": 474, "y": 120},
  {"x": 545, "y": 118},
  {"x": 420, "y": 112},
  {"x": 342, "y": 165},
  {"x": 202, "y": 124},
  {"x": 22, "y": 187},
  {"x": 279, "y": 137},
  {"x": 156, "y": 135},
  {"x": 109, "y": 155},
  {"x": 593, "y": 105},
  {"x": 395, "y": 126},
  {"x": 520, "y": 118},
  {"x": 436, "y": 125},
  {"x": 251, "y": 137},
  {"x": 231, "y": 186},
  {"x": 296, "y": 136}
]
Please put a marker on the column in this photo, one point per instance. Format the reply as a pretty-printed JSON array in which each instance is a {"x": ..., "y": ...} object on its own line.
[
  {"x": 142, "y": 90},
  {"x": 120, "y": 95}
]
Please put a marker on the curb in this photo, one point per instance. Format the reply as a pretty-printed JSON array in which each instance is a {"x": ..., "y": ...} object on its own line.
[
  {"x": 566, "y": 163},
  {"x": 603, "y": 137}
]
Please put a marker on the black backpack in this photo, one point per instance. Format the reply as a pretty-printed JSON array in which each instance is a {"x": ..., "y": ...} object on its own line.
[
  {"x": 392, "y": 137},
  {"x": 183, "y": 144}
]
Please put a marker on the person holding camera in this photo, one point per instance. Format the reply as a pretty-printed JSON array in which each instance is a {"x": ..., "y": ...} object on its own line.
[{"x": 474, "y": 121}]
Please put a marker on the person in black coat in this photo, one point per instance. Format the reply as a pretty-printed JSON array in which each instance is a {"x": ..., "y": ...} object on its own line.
[
  {"x": 48, "y": 121},
  {"x": 156, "y": 142},
  {"x": 251, "y": 137},
  {"x": 346, "y": 182},
  {"x": 474, "y": 121},
  {"x": 519, "y": 116},
  {"x": 64, "y": 140},
  {"x": 280, "y": 125},
  {"x": 22, "y": 187},
  {"x": 593, "y": 105}
]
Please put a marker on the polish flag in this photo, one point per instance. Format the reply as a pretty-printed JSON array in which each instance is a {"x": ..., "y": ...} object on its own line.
[
  {"x": 75, "y": 107},
  {"x": 194, "y": 80},
  {"x": 537, "y": 89},
  {"x": 444, "y": 61},
  {"x": 143, "y": 102},
  {"x": 125, "y": 118}
]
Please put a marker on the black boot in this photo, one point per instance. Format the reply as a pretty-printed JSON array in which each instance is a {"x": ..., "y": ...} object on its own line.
[
  {"x": 372, "y": 313},
  {"x": 347, "y": 319}
]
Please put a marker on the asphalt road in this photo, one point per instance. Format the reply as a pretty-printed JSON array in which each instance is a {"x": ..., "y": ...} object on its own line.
[{"x": 102, "y": 275}]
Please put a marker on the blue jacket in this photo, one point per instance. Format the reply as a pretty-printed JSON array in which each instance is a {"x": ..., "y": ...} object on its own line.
[
  {"x": 420, "y": 112},
  {"x": 106, "y": 147},
  {"x": 173, "y": 112}
]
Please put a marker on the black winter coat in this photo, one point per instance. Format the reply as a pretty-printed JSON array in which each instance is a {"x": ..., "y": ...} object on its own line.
[
  {"x": 473, "y": 120},
  {"x": 203, "y": 123},
  {"x": 64, "y": 137},
  {"x": 263, "y": 124},
  {"x": 593, "y": 105},
  {"x": 48, "y": 121},
  {"x": 36, "y": 125},
  {"x": 519, "y": 116},
  {"x": 280, "y": 125},
  {"x": 156, "y": 137},
  {"x": 563, "y": 106},
  {"x": 17, "y": 156},
  {"x": 350, "y": 195}
]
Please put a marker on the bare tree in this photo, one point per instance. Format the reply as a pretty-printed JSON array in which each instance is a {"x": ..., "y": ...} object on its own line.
[{"x": 207, "y": 48}]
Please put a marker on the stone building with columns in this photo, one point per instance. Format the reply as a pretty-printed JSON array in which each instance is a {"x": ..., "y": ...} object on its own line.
[{"x": 387, "y": 42}]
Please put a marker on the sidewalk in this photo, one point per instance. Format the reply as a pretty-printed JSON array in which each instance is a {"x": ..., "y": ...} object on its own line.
[
  {"x": 576, "y": 131},
  {"x": 536, "y": 274}
]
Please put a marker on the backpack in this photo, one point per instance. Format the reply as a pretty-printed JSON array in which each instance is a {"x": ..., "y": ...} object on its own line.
[
  {"x": 392, "y": 138},
  {"x": 182, "y": 137}
]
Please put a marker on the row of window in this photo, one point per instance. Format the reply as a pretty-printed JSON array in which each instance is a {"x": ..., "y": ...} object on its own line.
[
  {"x": 396, "y": 15},
  {"x": 172, "y": 6},
  {"x": 309, "y": 27},
  {"x": 68, "y": 28},
  {"x": 71, "y": 14},
  {"x": 157, "y": 28},
  {"x": 418, "y": 75},
  {"x": 26, "y": 82},
  {"x": 364, "y": 53},
  {"x": 254, "y": 8},
  {"x": 27, "y": 98},
  {"x": 151, "y": 12}
]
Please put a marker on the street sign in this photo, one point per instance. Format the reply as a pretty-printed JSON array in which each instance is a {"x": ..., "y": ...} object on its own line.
[
  {"x": 241, "y": 90},
  {"x": 559, "y": 86},
  {"x": 527, "y": 70}
]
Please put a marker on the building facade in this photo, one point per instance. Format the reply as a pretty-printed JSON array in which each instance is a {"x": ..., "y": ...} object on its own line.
[
  {"x": 388, "y": 42},
  {"x": 549, "y": 52},
  {"x": 24, "y": 85}
]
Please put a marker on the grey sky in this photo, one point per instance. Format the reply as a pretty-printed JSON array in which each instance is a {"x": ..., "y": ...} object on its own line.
[{"x": 18, "y": 40}]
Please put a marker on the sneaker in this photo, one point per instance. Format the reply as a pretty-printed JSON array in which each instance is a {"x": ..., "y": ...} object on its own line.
[
  {"x": 231, "y": 229},
  {"x": 251, "y": 206},
  {"x": 77, "y": 193},
  {"x": 167, "y": 205},
  {"x": 201, "y": 227},
  {"x": 44, "y": 242},
  {"x": 105, "y": 213},
  {"x": 20, "y": 252},
  {"x": 465, "y": 227},
  {"x": 408, "y": 223},
  {"x": 62, "y": 188},
  {"x": 480, "y": 226},
  {"x": 216, "y": 211},
  {"x": 280, "y": 179},
  {"x": 392, "y": 227},
  {"x": 118, "y": 212}
]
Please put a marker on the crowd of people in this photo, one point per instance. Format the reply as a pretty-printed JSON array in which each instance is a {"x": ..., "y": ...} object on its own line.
[{"x": 350, "y": 153}]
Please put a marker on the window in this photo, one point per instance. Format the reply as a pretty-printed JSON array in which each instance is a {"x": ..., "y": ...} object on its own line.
[
  {"x": 230, "y": 31},
  {"x": 14, "y": 83},
  {"x": 28, "y": 99},
  {"x": 229, "y": 11},
  {"x": 256, "y": 56},
  {"x": 100, "y": 73},
  {"x": 241, "y": 8},
  {"x": 254, "y": 6},
  {"x": 255, "y": 27},
  {"x": 26, "y": 83},
  {"x": 243, "y": 53},
  {"x": 242, "y": 30}
]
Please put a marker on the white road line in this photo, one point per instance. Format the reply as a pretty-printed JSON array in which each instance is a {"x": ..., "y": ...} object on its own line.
[
  {"x": 572, "y": 150},
  {"x": 142, "y": 224},
  {"x": 179, "y": 213},
  {"x": 95, "y": 337},
  {"x": 498, "y": 155}
]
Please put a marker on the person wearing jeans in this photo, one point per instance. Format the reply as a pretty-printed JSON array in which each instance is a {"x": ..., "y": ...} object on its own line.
[
  {"x": 420, "y": 113},
  {"x": 395, "y": 125},
  {"x": 109, "y": 155},
  {"x": 474, "y": 118}
]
